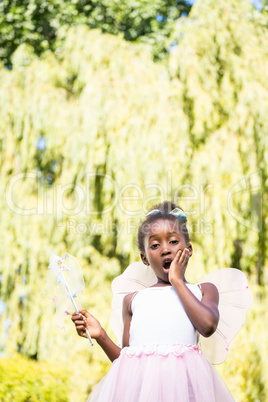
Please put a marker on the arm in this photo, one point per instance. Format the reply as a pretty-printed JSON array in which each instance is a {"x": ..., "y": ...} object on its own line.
[
  {"x": 86, "y": 320},
  {"x": 127, "y": 315},
  {"x": 204, "y": 315}
]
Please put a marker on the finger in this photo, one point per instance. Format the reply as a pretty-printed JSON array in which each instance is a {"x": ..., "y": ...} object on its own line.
[
  {"x": 178, "y": 255},
  {"x": 78, "y": 320},
  {"x": 80, "y": 323},
  {"x": 181, "y": 256},
  {"x": 82, "y": 333},
  {"x": 85, "y": 313},
  {"x": 185, "y": 257},
  {"x": 75, "y": 317},
  {"x": 185, "y": 251},
  {"x": 80, "y": 328}
]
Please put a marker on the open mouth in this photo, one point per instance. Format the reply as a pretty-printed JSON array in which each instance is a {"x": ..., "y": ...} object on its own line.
[{"x": 166, "y": 264}]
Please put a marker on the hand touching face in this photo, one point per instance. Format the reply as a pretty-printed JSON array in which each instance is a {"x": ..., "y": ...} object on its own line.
[{"x": 179, "y": 264}]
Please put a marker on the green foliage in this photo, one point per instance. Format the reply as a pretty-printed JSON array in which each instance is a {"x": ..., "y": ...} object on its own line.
[
  {"x": 264, "y": 6},
  {"x": 22, "y": 380},
  {"x": 94, "y": 135},
  {"x": 38, "y": 22},
  {"x": 225, "y": 100},
  {"x": 23, "y": 56}
]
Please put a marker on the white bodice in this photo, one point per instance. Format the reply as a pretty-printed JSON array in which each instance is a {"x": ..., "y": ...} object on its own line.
[{"x": 159, "y": 317}]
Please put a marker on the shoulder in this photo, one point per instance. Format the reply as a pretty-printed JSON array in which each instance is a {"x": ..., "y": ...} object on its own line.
[{"x": 208, "y": 289}]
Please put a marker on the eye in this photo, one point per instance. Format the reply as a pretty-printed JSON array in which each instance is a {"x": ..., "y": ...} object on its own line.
[
  {"x": 154, "y": 246},
  {"x": 174, "y": 241}
]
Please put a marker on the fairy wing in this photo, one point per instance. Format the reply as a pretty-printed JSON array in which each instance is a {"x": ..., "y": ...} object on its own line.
[
  {"x": 137, "y": 276},
  {"x": 234, "y": 300}
]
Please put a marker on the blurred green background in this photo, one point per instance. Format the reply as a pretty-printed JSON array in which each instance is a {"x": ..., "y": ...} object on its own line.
[{"x": 106, "y": 108}]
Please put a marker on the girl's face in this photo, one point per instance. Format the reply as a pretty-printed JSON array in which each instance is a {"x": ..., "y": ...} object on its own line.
[{"x": 162, "y": 242}]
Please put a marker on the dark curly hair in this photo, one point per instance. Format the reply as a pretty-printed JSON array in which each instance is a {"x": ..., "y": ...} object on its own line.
[{"x": 164, "y": 213}]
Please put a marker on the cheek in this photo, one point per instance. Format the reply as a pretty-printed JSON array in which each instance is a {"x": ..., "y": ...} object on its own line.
[
  {"x": 151, "y": 256},
  {"x": 183, "y": 243}
]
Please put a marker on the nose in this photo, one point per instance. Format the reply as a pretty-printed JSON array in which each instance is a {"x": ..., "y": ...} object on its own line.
[{"x": 165, "y": 250}]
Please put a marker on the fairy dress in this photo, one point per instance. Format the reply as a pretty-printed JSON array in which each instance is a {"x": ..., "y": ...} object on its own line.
[{"x": 162, "y": 362}]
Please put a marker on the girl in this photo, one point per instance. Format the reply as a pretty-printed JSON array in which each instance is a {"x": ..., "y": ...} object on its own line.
[{"x": 160, "y": 360}]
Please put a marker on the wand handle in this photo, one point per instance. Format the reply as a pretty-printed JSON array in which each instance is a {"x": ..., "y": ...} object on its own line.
[{"x": 74, "y": 304}]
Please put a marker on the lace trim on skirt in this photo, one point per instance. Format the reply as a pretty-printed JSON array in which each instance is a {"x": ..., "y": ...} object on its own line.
[{"x": 162, "y": 350}]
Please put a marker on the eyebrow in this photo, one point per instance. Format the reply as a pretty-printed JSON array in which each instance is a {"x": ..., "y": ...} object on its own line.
[{"x": 155, "y": 235}]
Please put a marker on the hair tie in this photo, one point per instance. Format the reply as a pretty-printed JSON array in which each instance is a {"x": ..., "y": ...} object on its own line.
[
  {"x": 153, "y": 211},
  {"x": 179, "y": 213}
]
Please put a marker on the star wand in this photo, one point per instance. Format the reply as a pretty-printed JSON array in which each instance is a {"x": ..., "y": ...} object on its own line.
[{"x": 70, "y": 265}]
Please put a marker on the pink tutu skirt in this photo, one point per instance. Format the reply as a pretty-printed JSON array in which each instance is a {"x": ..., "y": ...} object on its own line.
[{"x": 161, "y": 373}]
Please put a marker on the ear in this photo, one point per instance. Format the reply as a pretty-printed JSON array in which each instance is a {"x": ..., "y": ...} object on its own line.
[
  {"x": 144, "y": 259},
  {"x": 190, "y": 248}
]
